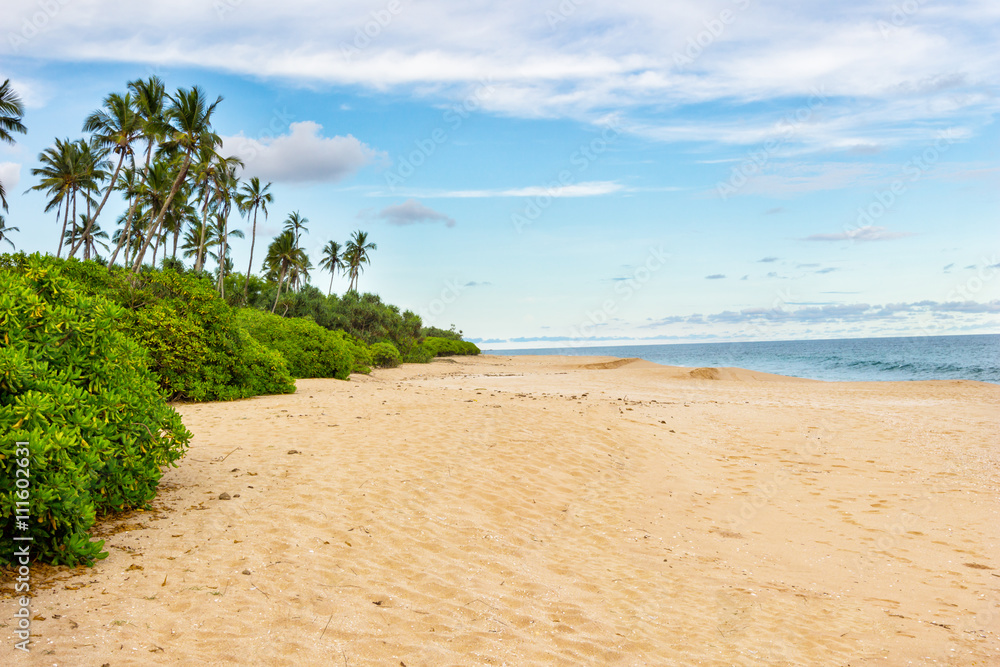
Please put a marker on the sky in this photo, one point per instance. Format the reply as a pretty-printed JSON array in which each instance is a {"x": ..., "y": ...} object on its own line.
[{"x": 576, "y": 172}]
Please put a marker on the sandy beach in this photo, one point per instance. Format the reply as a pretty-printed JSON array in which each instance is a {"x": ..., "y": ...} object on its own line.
[{"x": 555, "y": 510}]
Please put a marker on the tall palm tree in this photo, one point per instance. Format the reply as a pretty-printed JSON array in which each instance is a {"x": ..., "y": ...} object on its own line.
[
  {"x": 226, "y": 192},
  {"x": 357, "y": 255},
  {"x": 68, "y": 169},
  {"x": 116, "y": 127},
  {"x": 332, "y": 261},
  {"x": 296, "y": 224},
  {"x": 5, "y": 230},
  {"x": 189, "y": 120},
  {"x": 251, "y": 198},
  {"x": 11, "y": 113},
  {"x": 148, "y": 98},
  {"x": 58, "y": 179},
  {"x": 282, "y": 255}
]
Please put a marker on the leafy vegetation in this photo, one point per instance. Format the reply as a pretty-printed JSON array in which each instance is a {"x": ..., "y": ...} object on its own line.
[
  {"x": 309, "y": 350},
  {"x": 385, "y": 355},
  {"x": 78, "y": 391},
  {"x": 447, "y": 347}
]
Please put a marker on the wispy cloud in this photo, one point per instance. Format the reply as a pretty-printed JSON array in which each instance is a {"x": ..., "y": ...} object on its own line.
[
  {"x": 585, "y": 189},
  {"x": 866, "y": 233},
  {"x": 604, "y": 56}
]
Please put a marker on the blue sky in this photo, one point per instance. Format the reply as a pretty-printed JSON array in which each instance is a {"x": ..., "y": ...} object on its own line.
[{"x": 582, "y": 172}]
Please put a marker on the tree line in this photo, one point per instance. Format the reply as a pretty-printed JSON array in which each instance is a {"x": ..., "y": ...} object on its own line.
[{"x": 160, "y": 152}]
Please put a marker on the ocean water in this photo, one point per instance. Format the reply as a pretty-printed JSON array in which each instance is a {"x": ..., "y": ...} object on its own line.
[{"x": 915, "y": 358}]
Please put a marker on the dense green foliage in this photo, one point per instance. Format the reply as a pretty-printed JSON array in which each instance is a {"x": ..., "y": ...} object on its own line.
[
  {"x": 446, "y": 347},
  {"x": 309, "y": 350},
  {"x": 79, "y": 392},
  {"x": 198, "y": 350},
  {"x": 363, "y": 316},
  {"x": 385, "y": 355},
  {"x": 435, "y": 332}
]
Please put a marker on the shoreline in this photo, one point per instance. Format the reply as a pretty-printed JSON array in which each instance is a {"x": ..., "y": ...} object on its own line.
[{"x": 557, "y": 510}]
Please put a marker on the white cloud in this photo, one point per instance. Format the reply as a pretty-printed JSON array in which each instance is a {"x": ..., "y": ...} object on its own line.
[
  {"x": 10, "y": 176},
  {"x": 301, "y": 156},
  {"x": 930, "y": 67}
]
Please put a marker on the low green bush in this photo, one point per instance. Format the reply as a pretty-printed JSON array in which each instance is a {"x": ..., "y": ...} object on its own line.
[
  {"x": 385, "y": 355},
  {"x": 419, "y": 354},
  {"x": 309, "y": 350},
  {"x": 79, "y": 392},
  {"x": 446, "y": 347}
]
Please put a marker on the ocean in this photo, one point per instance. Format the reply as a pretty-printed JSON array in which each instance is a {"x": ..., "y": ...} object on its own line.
[{"x": 852, "y": 359}]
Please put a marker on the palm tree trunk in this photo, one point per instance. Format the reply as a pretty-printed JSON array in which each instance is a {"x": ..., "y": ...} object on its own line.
[
  {"x": 330, "y": 291},
  {"x": 281, "y": 279},
  {"x": 253, "y": 240},
  {"x": 199, "y": 257},
  {"x": 222, "y": 258},
  {"x": 155, "y": 225},
  {"x": 107, "y": 193},
  {"x": 62, "y": 235}
]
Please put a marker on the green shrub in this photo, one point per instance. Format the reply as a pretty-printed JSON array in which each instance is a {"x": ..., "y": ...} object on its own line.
[
  {"x": 79, "y": 392},
  {"x": 435, "y": 332},
  {"x": 385, "y": 355},
  {"x": 309, "y": 350},
  {"x": 198, "y": 351},
  {"x": 446, "y": 347},
  {"x": 419, "y": 354}
]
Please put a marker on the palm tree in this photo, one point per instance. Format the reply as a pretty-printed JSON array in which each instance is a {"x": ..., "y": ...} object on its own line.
[
  {"x": 282, "y": 255},
  {"x": 357, "y": 255},
  {"x": 88, "y": 235},
  {"x": 296, "y": 224},
  {"x": 217, "y": 238},
  {"x": 116, "y": 127},
  {"x": 252, "y": 197},
  {"x": 189, "y": 120},
  {"x": 332, "y": 261},
  {"x": 68, "y": 169},
  {"x": 11, "y": 112},
  {"x": 5, "y": 230},
  {"x": 148, "y": 98},
  {"x": 58, "y": 179}
]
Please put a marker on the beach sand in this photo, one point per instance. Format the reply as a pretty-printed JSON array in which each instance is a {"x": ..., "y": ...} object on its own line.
[{"x": 555, "y": 510}]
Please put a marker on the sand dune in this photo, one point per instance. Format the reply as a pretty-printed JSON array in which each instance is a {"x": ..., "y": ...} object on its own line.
[{"x": 554, "y": 510}]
